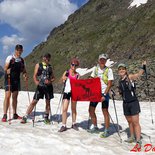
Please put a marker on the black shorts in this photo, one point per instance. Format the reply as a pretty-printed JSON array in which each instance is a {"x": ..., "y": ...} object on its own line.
[
  {"x": 14, "y": 85},
  {"x": 132, "y": 108},
  {"x": 42, "y": 91},
  {"x": 67, "y": 96},
  {"x": 105, "y": 103}
]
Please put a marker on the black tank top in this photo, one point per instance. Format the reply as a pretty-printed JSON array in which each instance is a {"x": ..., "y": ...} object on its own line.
[
  {"x": 127, "y": 90},
  {"x": 44, "y": 72},
  {"x": 17, "y": 66}
]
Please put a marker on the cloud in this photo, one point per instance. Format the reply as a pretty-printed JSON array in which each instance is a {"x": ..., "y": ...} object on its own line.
[
  {"x": 9, "y": 42},
  {"x": 34, "y": 19}
]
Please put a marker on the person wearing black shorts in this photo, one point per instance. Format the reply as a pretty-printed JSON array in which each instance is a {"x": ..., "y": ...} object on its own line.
[
  {"x": 66, "y": 77},
  {"x": 106, "y": 77},
  {"x": 105, "y": 103},
  {"x": 14, "y": 66},
  {"x": 43, "y": 78},
  {"x": 131, "y": 105}
]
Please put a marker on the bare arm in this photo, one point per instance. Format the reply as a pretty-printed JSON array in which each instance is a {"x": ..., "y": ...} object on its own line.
[
  {"x": 25, "y": 76},
  {"x": 6, "y": 66},
  {"x": 108, "y": 87},
  {"x": 64, "y": 77},
  {"x": 35, "y": 74},
  {"x": 52, "y": 77},
  {"x": 137, "y": 75}
]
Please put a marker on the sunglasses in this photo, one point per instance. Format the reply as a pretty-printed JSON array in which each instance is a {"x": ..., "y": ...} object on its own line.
[{"x": 74, "y": 65}]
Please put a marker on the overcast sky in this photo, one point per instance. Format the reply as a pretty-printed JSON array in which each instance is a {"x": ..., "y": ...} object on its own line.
[{"x": 29, "y": 22}]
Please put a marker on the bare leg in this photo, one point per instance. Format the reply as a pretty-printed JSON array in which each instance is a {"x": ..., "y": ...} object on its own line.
[
  {"x": 93, "y": 115},
  {"x": 74, "y": 112},
  {"x": 31, "y": 107},
  {"x": 65, "y": 105},
  {"x": 129, "y": 120},
  {"x": 47, "y": 108},
  {"x": 106, "y": 118},
  {"x": 136, "y": 126},
  {"x": 6, "y": 101}
]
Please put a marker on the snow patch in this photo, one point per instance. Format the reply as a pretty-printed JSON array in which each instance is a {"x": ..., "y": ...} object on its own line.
[{"x": 137, "y": 3}]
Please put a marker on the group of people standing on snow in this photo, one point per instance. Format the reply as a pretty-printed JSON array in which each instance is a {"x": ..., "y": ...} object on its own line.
[{"x": 43, "y": 77}]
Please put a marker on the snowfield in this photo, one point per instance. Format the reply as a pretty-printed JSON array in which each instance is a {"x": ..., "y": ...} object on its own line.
[{"x": 24, "y": 139}]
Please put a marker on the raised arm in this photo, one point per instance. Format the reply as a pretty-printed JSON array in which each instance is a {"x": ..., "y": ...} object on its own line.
[{"x": 141, "y": 71}]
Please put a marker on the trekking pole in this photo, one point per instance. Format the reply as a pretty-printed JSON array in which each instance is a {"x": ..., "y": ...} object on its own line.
[
  {"x": 88, "y": 125},
  {"x": 113, "y": 94},
  {"x": 34, "y": 114},
  {"x": 148, "y": 93},
  {"x": 115, "y": 128},
  {"x": 51, "y": 114},
  {"x": 113, "y": 98},
  {"x": 9, "y": 88},
  {"x": 148, "y": 137},
  {"x": 26, "y": 84},
  {"x": 60, "y": 101}
]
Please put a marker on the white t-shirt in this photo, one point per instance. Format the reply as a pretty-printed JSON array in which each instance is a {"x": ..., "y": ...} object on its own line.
[
  {"x": 8, "y": 59},
  {"x": 67, "y": 86},
  {"x": 100, "y": 75}
]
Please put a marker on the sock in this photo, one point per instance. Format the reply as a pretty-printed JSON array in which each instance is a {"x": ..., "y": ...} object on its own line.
[
  {"x": 93, "y": 126},
  {"x": 73, "y": 123}
]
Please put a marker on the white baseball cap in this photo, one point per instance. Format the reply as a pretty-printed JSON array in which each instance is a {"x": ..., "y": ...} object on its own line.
[{"x": 104, "y": 56}]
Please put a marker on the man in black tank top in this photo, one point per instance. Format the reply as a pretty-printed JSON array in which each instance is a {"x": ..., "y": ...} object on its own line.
[
  {"x": 14, "y": 66},
  {"x": 43, "y": 78},
  {"x": 131, "y": 105}
]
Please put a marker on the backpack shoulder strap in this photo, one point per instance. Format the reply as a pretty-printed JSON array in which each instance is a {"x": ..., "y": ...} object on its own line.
[
  {"x": 96, "y": 71},
  {"x": 105, "y": 75},
  {"x": 67, "y": 73}
]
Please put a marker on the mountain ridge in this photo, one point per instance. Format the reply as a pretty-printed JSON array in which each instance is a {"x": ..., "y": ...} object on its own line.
[{"x": 101, "y": 26}]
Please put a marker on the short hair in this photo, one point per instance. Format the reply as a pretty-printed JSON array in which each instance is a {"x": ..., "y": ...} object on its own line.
[
  {"x": 47, "y": 55},
  {"x": 18, "y": 47}
]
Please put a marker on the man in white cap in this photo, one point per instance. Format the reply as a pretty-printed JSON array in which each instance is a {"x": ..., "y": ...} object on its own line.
[{"x": 106, "y": 76}]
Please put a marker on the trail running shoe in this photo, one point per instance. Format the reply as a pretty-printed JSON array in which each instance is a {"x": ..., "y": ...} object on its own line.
[
  {"x": 104, "y": 134},
  {"x": 62, "y": 129},
  {"x": 47, "y": 121},
  {"x": 139, "y": 144},
  {"x": 4, "y": 119},
  {"x": 75, "y": 127},
  {"x": 24, "y": 120},
  {"x": 130, "y": 140},
  {"x": 16, "y": 116},
  {"x": 94, "y": 130}
]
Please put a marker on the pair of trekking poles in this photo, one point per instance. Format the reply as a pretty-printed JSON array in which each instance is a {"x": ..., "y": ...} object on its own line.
[
  {"x": 9, "y": 89},
  {"x": 34, "y": 111}
]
